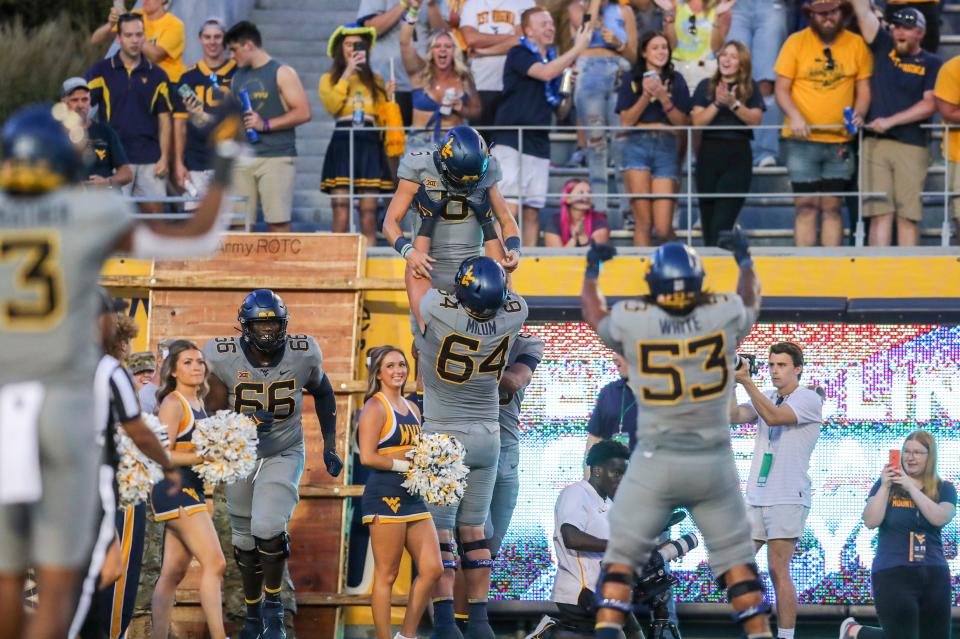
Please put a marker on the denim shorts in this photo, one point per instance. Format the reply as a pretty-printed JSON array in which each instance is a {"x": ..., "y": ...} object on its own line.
[
  {"x": 811, "y": 163},
  {"x": 652, "y": 151}
]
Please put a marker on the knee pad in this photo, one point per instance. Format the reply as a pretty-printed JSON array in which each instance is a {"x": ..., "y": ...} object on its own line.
[
  {"x": 747, "y": 587},
  {"x": 450, "y": 547},
  {"x": 275, "y": 549},
  {"x": 475, "y": 564},
  {"x": 620, "y": 605},
  {"x": 248, "y": 561}
]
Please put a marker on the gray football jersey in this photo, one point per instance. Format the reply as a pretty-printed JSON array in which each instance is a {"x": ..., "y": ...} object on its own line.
[
  {"x": 681, "y": 367},
  {"x": 271, "y": 394},
  {"x": 463, "y": 358},
  {"x": 457, "y": 234},
  {"x": 525, "y": 345},
  {"x": 52, "y": 249}
]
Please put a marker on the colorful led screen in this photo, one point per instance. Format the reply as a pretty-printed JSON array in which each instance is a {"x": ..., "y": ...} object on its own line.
[{"x": 881, "y": 382}]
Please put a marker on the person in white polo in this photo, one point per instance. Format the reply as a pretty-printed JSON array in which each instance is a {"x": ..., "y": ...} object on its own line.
[
  {"x": 788, "y": 422},
  {"x": 580, "y": 535}
]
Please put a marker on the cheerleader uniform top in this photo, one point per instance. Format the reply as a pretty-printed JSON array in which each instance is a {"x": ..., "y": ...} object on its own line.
[
  {"x": 399, "y": 432},
  {"x": 385, "y": 500},
  {"x": 191, "y": 497}
]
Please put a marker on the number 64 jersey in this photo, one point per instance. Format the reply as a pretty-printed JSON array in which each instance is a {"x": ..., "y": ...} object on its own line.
[
  {"x": 272, "y": 395},
  {"x": 462, "y": 358},
  {"x": 681, "y": 367}
]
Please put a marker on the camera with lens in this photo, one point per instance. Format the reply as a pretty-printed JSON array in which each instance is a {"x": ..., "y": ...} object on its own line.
[{"x": 750, "y": 360}]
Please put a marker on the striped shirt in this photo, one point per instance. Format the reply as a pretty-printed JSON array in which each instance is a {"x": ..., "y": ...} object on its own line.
[
  {"x": 130, "y": 100},
  {"x": 118, "y": 404}
]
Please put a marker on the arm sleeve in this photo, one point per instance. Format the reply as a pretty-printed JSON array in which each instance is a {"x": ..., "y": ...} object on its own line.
[
  {"x": 600, "y": 221},
  {"x": 864, "y": 60},
  {"x": 787, "y": 59},
  {"x": 552, "y": 224},
  {"x": 597, "y": 426},
  {"x": 948, "y": 493},
  {"x": 609, "y": 333},
  {"x": 874, "y": 489},
  {"x": 681, "y": 93},
  {"x": 124, "y": 395},
  {"x": 571, "y": 510},
  {"x": 756, "y": 98},
  {"x": 626, "y": 95},
  {"x": 807, "y": 406},
  {"x": 930, "y": 79},
  {"x": 333, "y": 96},
  {"x": 946, "y": 87},
  {"x": 700, "y": 94},
  {"x": 468, "y": 14},
  {"x": 171, "y": 40},
  {"x": 117, "y": 152},
  {"x": 519, "y": 60},
  {"x": 161, "y": 96}
]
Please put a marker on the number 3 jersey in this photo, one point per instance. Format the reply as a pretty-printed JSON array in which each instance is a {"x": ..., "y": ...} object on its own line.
[
  {"x": 272, "y": 395},
  {"x": 681, "y": 367},
  {"x": 52, "y": 249},
  {"x": 462, "y": 358}
]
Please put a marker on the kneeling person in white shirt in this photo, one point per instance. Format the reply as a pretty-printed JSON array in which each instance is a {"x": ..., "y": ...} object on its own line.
[
  {"x": 580, "y": 535},
  {"x": 788, "y": 422}
]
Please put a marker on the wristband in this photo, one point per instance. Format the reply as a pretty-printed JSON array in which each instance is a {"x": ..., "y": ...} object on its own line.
[
  {"x": 400, "y": 466},
  {"x": 266, "y": 125},
  {"x": 402, "y": 244},
  {"x": 512, "y": 243}
]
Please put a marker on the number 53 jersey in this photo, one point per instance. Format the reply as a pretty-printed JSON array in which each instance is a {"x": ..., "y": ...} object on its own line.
[
  {"x": 681, "y": 367},
  {"x": 463, "y": 358},
  {"x": 52, "y": 248},
  {"x": 272, "y": 395}
]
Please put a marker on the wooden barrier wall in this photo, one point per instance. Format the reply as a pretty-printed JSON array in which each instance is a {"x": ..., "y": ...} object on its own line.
[{"x": 320, "y": 277}]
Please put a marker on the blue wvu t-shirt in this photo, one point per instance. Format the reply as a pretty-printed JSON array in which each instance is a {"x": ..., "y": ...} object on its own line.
[
  {"x": 902, "y": 518},
  {"x": 523, "y": 101},
  {"x": 899, "y": 83}
]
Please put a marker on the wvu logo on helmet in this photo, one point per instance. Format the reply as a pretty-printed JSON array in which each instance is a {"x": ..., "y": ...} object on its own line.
[
  {"x": 468, "y": 277},
  {"x": 446, "y": 151},
  {"x": 470, "y": 178}
]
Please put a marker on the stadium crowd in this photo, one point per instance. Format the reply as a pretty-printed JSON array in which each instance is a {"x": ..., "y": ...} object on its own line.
[{"x": 815, "y": 74}]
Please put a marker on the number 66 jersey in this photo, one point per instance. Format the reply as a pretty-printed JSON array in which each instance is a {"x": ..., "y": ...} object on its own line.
[
  {"x": 272, "y": 395},
  {"x": 681, "y": 367},
  {"x": 462, "y": 358}
]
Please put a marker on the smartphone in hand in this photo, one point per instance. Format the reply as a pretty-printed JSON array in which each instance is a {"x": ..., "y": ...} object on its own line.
[{"x": 895, "y": 458}]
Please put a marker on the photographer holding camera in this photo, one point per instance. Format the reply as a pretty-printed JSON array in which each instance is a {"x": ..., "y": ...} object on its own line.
[
  {"x": 788, "y": 422},
  {"x": 581, "y": 531}
]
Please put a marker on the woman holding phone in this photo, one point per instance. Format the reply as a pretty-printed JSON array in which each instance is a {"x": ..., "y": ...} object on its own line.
[
  {"x": 725, "y": 162},
  {"x": 909, "y": 505},
  {"x": 352, "y": 93},
  {"x": 652, "y": 100}
]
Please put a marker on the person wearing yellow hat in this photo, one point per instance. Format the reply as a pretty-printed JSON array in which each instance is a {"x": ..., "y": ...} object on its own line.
[{"x": 354, "y": 95}]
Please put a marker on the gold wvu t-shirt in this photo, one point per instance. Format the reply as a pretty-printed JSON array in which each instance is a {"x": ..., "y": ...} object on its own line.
[
  {"x": 824, "y": 79},
  {"x": 948, "y": 90}
]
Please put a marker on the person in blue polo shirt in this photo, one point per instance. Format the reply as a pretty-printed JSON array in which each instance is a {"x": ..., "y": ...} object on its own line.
[
  {"x": 132, "y": 96},
  {"x": 531, "y": 91},
  {"x": 207, "y": 78},
  {"x": 896, "y": 150}
]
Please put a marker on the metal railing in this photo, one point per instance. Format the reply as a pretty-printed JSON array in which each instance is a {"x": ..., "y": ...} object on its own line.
[
  {"x": 689, "y": 194},
  {"x": 236, "y": 219}
]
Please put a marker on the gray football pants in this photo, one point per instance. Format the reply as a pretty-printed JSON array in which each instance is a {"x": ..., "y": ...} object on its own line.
[
  {"x": 58, "y": 529},
  {"x": 657, "y": 481},
  {"x": 481, "y": 440},
  {"x": 262, "y": 504},
  {"x": 505, "y": 492}
]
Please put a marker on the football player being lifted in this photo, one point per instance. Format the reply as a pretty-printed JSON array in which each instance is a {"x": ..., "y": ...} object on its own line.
[
  {"x": 680, "y": 345},
  {"x": 264, "y": 374},
  {"x": 442, "y": 188}
]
